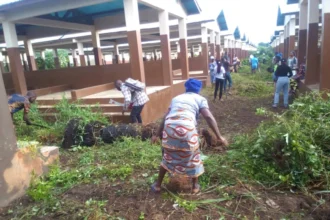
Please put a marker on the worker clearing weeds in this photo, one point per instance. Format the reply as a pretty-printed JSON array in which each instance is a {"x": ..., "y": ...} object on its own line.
[
  {"x": 18, "y": 102},
  {"x": 135, "y": 97}
]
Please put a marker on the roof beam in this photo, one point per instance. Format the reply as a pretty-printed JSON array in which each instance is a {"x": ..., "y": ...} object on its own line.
[
  {"x": 46, "y": 7},
  {"x": 56, "y": 24},
  {"x": 172, "y": 7}
]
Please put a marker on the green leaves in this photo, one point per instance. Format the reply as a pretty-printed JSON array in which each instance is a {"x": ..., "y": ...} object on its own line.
[{"x": 292, "y": 148}]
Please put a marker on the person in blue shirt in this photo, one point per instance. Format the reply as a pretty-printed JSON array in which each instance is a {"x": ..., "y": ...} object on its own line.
[
  {"x": 213, "y": 70},
  {"x": 254, "y": 64},
  {"x": 18, "y": 102}
]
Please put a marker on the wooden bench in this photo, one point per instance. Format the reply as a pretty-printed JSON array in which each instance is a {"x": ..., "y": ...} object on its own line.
[{"x": 79, "y": 93}]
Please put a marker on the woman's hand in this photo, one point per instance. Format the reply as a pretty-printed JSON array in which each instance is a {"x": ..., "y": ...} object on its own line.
[
  {"x": 154, "y": 139},
  {"x": 223, "y": 141}
]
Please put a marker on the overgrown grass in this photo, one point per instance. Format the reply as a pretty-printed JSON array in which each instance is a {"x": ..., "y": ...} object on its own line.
[
  {"x": 54, "y": 133},
  {"x": 292, "y": 149},
  {"x": 252, "y": 85}
]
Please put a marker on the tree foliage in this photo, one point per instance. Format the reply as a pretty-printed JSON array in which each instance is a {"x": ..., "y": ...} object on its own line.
[{"x": 49, "y": 63}]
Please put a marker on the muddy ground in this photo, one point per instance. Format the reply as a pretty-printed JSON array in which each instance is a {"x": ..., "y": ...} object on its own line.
[{"x": 131, "y": 200}]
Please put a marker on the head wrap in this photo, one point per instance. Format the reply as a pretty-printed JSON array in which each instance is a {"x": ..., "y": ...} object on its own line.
[{"x": 193, "y": 85}]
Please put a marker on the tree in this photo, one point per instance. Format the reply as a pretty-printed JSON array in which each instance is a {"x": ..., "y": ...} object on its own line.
[{"x": 49, "y": 62}]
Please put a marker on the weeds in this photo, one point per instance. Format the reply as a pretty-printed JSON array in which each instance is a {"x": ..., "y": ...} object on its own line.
[
  {"x": 108, "y": 163},
  {"x": 292, "y": 149},
  {"x": 54, "y": 133}
]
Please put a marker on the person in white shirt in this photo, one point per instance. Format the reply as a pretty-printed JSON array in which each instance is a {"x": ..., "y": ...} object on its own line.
[
  {"x": 219, "y": 80},
  {"x": 213, "y": 69}
]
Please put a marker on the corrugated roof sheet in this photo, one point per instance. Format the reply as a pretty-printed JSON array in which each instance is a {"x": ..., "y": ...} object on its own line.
[
  {"x": 221, "y": 20},
  {"x": 292, "y": 2}
]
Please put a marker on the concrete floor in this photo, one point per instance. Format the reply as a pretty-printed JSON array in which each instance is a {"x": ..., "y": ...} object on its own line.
[
  {"x": 114, "y": 93},
  {"x": 56, "y": 96}
]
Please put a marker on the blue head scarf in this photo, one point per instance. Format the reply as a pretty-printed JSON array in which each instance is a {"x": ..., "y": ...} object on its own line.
[{"x": 193, "y": 85}]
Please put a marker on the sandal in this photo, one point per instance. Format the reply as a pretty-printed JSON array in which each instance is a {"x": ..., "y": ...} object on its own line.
[
  {"x": 197, "y": 189},
  {"x": 154, "y": 189}
]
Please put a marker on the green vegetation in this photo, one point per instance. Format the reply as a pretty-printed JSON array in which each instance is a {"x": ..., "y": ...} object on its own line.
[
  {"x": 292, "y": 149},
  {"x": 48, "y": 62},
  {"x": 131, "y": 162},
  {"x": 54, "y": 133},
  {"x": 253, "y": 85},
  {"x": 288, "y": 151}
]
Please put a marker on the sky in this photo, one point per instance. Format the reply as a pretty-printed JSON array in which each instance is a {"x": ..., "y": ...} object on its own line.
[
  {"x": 2, "y": 2},
  {"x": 255, "y": 18}
]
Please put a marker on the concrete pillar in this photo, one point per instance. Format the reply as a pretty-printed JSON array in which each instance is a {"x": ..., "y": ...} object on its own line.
[
  {"x": 24, "y": 63},
  {"x": 2, "y": 67},
  {"x": 285, "y": 34},
  {"x": 178, "y": 50},
  {"x": 42, "y": 54},
  {"x": 312, "y": 61},
  {"x": 239, "y": 50},
  {"x": 8, "y": 145},
  {"x": 16, "y": 67},
  {"x": 325, "y": 47},
  {"x": 30, "y": 55},
  {"x": 74, "y": 58},
  {"x": 81, "y": 53},
  {"x": 218, "y": 46},
  {"x": 277, "y": 45},
  {"x": 302, "y": 35},
  {"x": 88, "y": 60},
  {"x": 243, "y": 50},
  {"x": 116, "y": 54},
  {"x": 123, "y": 58},
  {"x": 292, "y": 34},
  {"x": 184, "y": 61},
  {"x": 205, "y": 55},
  {"x": 56, "y": 59},
  {"x": 134, "y": 39},
  {"x": 212, "y": 43},
  {"x": 282, "y": 43},
  {"x": 192, "y": 51},
  {"x": 165, "y": 47},
  {"x": 230, "y": 55},
  {"x": 98, "y": 57},
  {"x": 155, "y": 54}
]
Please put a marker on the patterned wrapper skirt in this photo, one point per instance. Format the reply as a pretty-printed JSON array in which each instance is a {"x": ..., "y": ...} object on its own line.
[{"x": 181, "y": 148}]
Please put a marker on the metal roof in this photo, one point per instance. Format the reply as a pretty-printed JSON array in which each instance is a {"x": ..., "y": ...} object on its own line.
[
  {"x": 191, "y": 6},
  {"x": 86, "y": 15},
  {"x": 292, "y": 2},
  {"x": 237, "y": 33},
  {"x": 280, "y": 18},
  {"x": 221, "y": 20}
]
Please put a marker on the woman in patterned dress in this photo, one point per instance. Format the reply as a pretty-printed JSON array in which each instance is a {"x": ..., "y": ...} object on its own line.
[{"x": 180, "y": 139}]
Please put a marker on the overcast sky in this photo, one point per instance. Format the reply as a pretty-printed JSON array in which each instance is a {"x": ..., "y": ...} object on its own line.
[{"x": 256, "y": 18}]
